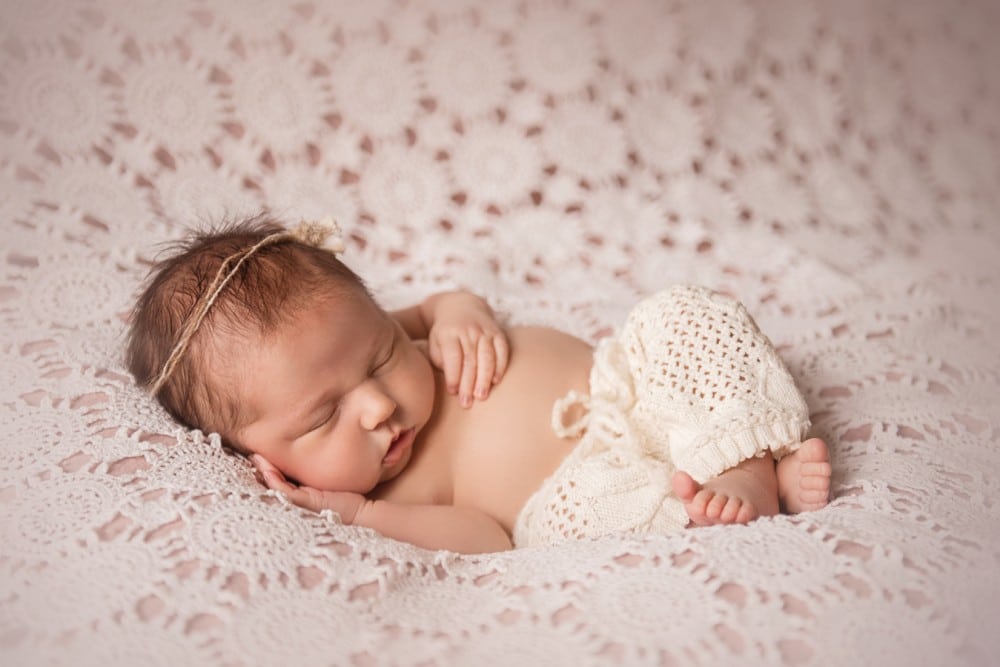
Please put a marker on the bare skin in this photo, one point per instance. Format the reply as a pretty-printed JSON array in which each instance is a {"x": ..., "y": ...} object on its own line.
[
  {"x": 804, "y": 478},
  {"x": 800, "y": 482}
]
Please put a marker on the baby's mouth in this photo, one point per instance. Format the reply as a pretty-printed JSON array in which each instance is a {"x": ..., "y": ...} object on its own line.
[{"x": 398, "y": 447}]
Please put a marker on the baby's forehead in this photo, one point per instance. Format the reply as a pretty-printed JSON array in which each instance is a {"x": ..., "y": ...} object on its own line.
[
  {"x": 352, "y": 319},
  {"x": 293, "y": 311},
  {"x": 341, "y": 310}
]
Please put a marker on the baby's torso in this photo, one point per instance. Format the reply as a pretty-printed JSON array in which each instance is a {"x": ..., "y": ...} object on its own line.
[{"x": 494, "y": 455}]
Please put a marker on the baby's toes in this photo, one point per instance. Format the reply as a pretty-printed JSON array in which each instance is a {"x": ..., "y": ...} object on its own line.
[
  {"x": 698, "y": 506},
  {"x": 747, "y": 513},
  {"x": 814, "y": 483},
  {"x": 814, "y": 498},
  {"x": 814, "y": 449},
  {"x": 731, "y": 510},
  {"x": 684, "y": 486},
  {"x": 816, "y": 469},
  {"x": 713, "y": 511}
]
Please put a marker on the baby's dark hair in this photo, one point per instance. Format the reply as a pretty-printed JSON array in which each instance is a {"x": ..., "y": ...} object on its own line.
[{"x": 274, "y": 276}]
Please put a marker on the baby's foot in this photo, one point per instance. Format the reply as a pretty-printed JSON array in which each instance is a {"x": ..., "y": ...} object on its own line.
[
  {"x": 804, "y": 478},
  {"x": 738, "y": 495}
]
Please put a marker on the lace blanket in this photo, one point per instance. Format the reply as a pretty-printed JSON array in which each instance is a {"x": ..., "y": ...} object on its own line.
[{"x": 835, "y": 165}]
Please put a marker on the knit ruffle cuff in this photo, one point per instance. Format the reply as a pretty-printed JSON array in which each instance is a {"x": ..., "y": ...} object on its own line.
[{"x": 779, "y": 434}]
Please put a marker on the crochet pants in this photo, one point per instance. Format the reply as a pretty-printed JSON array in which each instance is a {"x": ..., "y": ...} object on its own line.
[{"x": 689, "y": 383}]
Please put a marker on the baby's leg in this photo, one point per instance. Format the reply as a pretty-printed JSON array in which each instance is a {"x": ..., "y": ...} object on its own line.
[
  {"x": 754, "y": 488},
  {"x": 738, "y": 495},
  {"x": 804, "y": 478}
]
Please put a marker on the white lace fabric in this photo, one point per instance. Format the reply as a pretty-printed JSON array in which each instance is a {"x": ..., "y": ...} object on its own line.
[{"x": 833, "y": 165}]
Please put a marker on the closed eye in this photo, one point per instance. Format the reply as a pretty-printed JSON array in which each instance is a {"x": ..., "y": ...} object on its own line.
[
  {"x": 328, "y": 417},
  {"x": 382, "y": 363}
]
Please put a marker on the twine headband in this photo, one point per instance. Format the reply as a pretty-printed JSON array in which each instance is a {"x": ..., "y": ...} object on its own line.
[{"x": 323, "y": 233}]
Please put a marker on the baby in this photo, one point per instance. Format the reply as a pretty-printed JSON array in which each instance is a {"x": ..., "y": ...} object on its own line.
[{"x": 436, "y": 426}]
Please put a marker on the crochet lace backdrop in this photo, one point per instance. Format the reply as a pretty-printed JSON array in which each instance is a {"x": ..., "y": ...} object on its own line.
[{"x": 835, "y": 165}]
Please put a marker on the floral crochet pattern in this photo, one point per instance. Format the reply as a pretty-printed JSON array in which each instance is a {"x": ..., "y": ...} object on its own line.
[{"x": 833, "y": 165}]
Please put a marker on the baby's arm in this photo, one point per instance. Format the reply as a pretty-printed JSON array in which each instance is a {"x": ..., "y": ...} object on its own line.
[
  {"x": 459, "y": 529},
  {"x": 463, "y": 339}
]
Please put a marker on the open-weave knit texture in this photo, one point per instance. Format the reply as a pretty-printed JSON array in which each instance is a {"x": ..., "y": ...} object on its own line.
[
  {"x": 689, "y": 383},
  {"x": 832, "y": 164},
  {"x": 709, "y": 384}
]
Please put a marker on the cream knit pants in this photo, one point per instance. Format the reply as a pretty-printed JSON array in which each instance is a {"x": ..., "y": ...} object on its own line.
[{"x": 689, "y": 383}]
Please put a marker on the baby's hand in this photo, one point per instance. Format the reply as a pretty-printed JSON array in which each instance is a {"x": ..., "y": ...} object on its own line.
[
  {"x": 345, "y": 503},
  {"x": 467, "y": 343}
]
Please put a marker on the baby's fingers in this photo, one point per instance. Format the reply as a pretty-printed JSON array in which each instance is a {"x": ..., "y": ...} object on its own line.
[
  {"x": 502, "y": 350},
  {"x": 273, "y": 478},
  {"x": 467, "y": 384},
  {"x": 451, "y": 363},
  {"x": 264, "y": 466},
  {"x": 302, "y": 496},
  {"x": 485, "y": 366},
  {"x": 275, "y": 481}
]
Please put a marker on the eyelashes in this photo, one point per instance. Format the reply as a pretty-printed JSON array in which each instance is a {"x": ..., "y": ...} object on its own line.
[
  {"x": 326, "y": 420},
  {"x": 385, "y": 362}
]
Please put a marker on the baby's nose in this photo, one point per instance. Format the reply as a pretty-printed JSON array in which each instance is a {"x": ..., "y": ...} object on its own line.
[{"x": 377, "y": 407}]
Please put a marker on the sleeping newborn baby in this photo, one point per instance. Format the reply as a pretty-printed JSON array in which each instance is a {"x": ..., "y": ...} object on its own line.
[{"x": 436, "y": 426}]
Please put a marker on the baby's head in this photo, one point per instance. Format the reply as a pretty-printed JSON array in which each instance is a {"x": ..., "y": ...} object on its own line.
[{"x": 212, "y": 300}]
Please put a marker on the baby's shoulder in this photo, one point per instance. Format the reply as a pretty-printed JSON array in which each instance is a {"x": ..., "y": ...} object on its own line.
[{"x": 529, "y": 339}]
